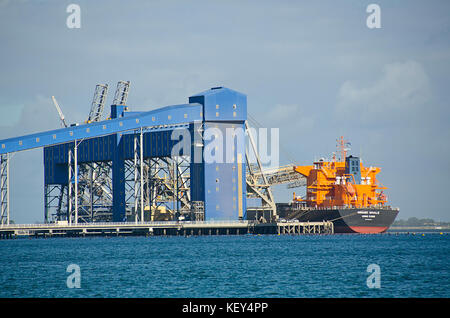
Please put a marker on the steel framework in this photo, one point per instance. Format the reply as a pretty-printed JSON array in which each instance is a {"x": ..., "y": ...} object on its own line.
[{"x": 124, "y": 168}]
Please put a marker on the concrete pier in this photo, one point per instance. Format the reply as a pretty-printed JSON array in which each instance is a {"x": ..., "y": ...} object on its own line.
[{"x": 185, "y": 228}]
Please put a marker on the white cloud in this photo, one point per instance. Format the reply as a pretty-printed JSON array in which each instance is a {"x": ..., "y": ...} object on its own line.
[
  {"x": 402, "y": 90},
  {"x": 37, "y": 114}
]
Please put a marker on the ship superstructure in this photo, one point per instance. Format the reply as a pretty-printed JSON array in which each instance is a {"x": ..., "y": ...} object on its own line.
[
  {"x": 343, "y": 191},
  {"x": 341, "y": 183}
]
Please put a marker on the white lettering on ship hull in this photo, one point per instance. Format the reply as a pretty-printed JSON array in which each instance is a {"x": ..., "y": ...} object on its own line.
[{"x": 368, "y": 215}]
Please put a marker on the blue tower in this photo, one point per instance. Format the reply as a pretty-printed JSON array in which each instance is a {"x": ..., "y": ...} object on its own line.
[{"x": 219, "y": 181}]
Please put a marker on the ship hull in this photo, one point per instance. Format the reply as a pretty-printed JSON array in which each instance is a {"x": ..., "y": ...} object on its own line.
[{"x": 351, "y": 220}]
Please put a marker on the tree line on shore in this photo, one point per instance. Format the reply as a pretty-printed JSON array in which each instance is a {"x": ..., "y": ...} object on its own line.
[{"x": 413, "y": 221}]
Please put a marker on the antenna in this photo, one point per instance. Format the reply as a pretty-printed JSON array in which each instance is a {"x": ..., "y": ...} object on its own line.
[
  {"x": 61, "y": 115},
  {"x": 343, "y": 146}
]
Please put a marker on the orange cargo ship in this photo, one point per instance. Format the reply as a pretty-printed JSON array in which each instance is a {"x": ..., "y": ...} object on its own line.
[{"x": 345, "y": 192}]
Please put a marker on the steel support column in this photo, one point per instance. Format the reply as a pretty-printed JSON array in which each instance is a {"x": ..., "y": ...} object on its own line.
[
  {"x": 139, "y": 176},
  {"x": 4, "y": 188},
  {"x": 118, "y": 179},
  {"x": 76, "y": 180},
  {"x": 69, "y": 197}
]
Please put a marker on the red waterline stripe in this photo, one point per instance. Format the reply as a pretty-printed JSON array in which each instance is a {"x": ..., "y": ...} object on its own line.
[{"x": 369, "y": 229}]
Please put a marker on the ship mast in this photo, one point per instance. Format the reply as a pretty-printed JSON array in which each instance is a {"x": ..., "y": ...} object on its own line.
[{"x": 342, "y": 146}]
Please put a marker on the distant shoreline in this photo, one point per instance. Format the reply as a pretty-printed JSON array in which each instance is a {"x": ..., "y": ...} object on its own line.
[{"x": 424, "y": 227}]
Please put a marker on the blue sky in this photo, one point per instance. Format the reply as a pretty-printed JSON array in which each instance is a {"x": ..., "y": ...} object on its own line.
[{"x": 311, "y": 68}]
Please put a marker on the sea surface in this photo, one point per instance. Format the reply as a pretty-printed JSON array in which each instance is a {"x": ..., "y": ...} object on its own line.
[{"x": 410, "y": 265}]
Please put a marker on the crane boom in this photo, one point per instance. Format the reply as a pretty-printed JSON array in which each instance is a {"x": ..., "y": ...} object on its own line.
[
  {"x": 121, "y": 95},
  {"x": 98, "y": 103},
  {"x": 61, "y": 115}
]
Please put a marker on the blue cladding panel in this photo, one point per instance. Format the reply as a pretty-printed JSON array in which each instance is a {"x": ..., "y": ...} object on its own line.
[
  {"x": 54, "y": 173},
  {"x": 196, "y": 166},
  {"x": 222, "y": 104},
  {"x": 221, "y": 182},
  {"x": 217, "y": 183},
  {"x": 156, "y": 144},
  {"x": 118, "y": 111},
  {"x": 56, "y": 157}
]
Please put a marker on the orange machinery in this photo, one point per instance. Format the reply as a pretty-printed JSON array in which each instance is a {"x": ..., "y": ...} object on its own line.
[{"x": 338, "y": 183}]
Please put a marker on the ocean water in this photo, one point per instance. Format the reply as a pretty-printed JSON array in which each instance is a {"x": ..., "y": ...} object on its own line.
[{"x": 228, "y": 266}]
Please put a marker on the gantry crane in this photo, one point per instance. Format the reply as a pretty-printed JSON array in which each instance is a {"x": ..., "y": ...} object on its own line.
[{"x": 98, "y": 103}]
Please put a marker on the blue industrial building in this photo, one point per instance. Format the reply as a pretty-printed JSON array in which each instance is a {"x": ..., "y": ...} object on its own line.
[{"x": 127, "y": 168}]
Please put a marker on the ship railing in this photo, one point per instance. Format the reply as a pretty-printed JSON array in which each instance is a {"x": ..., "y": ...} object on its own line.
[{"x": 335, "y": 207}]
